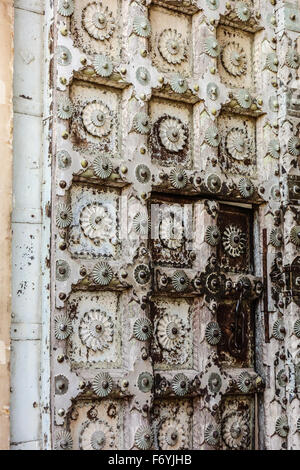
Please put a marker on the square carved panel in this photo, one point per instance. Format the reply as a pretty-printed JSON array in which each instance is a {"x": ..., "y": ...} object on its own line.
[
  {"x": 238, "y": 144},
  {"x": 94, "y": 230},
  {"x": 170, "y": 40},
  {"x": 173, "y": 339},
  {"x": 95, "y": 340},
  {"x": 96, "y": 118},
  {"x": 96, "y": 426},
  {"x": 173, "y": 422},
  {"x": 235, "y": 249},
  {"x": 171, "y": 136},
  {"x": 171, "y": 233},
  {"x": 96, "y": 26},
  {"x": 235, "y": 61}
]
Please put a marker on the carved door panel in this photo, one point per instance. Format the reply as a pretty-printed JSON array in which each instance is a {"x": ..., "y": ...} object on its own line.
[
  {"x": 163, "y": 152},
  {"x": 203, "y": 306}
]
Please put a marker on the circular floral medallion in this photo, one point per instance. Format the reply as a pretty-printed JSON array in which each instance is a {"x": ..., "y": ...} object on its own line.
[
  {"x": 211, "y": 46},
  {"x": 212, "y": 235},
  {"x": 213, "y": 183},
  {"x": 178, "y": 178},
  {"x": 292, "y": 59},
  {"x": 141, "y": 26},
  {"x": 178, "y": 83},
  {"x": 64, "y": 108},
  {"x": 234, "y": 59},
  {"x": 66, "y": 7},
  {"x": 142, "y": 329},
  {"x": 97, "y": 119},
  {"x": 180, "y": 384},
  {"x": 96, "y": 330},
  {"x": 142, "y": 173},
  {"x": 212, "y": 435},
  {"x": 295, "y": 235},
  {"x": 172, "y": 133},
  {"x": 145, "y": 382},
  {"x": 171, "y": 435},
  {"x": 180, "y": 281},
  {"x": 236, "y": 429},
  {"x": 279, "y": 330},
  {"x": 282, "y": 426},
  {"x": 95, "y": 222},
  {"x": 213, "y": 333},
  {"x": 63, "y": 440},
  {"x": 98, "y": 21},
  {"x": 64, "y": 216},
  {"x": 102, "y": 273},
  {"x": 170, "y": 332},
  {"x": 144, "y": 437},
  {"x": 102, "y": 167},
  {"x": 140, "y": 223},
  {"x": 141, "y": 123},
  {"x": 62, "y": 326},
  {"x": 244, "y": 382},
  {"x": 297, "y": 328},
  {"x": 236, "y": 144},
  {"x": 102, "y": 384},
  {"x": 172, "y": 47},
  {"x": 294, "y": 146},
  {"x": 272, "y": 62},
  {"x": 234, "y": 241},
  {"x": 244, "y": 99},
  {"x": 103, "y": 65},
  {"x": 171, "y": 232},
  {"x": 243, "y": 11},
  {"x": 96, "y": 435},
  {"x": 212, "y": 136},
  {"x": 274, "y": 148},
  {"x": 142, "y": 274},
  {"x": 276, "y": 237},
  {"x": 246, "y": 187}
]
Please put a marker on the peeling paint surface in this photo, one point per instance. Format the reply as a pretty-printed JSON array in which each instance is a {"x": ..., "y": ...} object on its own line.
[{"x": 170, "y": 178}]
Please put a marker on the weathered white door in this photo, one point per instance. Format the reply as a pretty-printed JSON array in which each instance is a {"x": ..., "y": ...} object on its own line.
[{"x": 165, "y": 173}]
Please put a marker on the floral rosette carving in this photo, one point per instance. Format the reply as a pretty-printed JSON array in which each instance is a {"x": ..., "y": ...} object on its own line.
[
  {"x": 236, "y": 429},
  {"x": 96, "y": 223},
  {"x": 98, "y": 21},
  {"x": 172, "y": 47},
  {"x": 172, "y": 134},
  {"x": 96, "y": 330}
]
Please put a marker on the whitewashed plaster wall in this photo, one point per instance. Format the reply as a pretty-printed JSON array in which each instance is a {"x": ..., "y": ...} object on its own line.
[{"x": 27, "y": 225}]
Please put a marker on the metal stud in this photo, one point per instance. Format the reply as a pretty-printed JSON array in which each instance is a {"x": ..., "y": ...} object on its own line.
[
  {"x": 102, "y": 167},
  {"x": 102, "y": 384},
  {"x": 180, "y": 384},
  {"x": 102, "y": 273},
  {"x": 282, "y": 426},
  {"x": 141, "y": 26},
  {"x": 142, "y": 329},
  {"x": 180, "y": 281},
  {"x": 103, "y": 65},
  {"x": 213, "y": 333}
]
